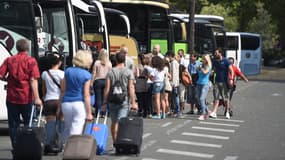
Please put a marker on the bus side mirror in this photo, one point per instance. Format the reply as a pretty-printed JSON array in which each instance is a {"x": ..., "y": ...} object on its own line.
[{"x": 38, "y": 23}]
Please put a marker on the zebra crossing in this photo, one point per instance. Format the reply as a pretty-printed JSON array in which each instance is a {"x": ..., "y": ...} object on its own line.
[{"x": 201, "y": 140}]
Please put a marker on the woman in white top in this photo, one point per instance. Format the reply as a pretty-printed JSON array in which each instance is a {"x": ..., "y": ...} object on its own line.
[
  {"x": 157, "y": 76},
  {"x": 167, "y": 87},
  {"x": 51, "y": 80}
]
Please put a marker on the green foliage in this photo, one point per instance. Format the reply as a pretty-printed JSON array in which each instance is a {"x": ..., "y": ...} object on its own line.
[
  {"x": 218, "y": 10},
  {"x": 182, "y": 5},
  {"x": 262, "y": 24},
  {"x": 240, "y": 15}
]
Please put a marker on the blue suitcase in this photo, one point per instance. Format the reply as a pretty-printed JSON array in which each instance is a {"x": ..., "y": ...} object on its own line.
[{"x": 100, "y": 133}]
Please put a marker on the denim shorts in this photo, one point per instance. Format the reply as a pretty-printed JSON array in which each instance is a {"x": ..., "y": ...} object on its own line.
[
  {"x": 158, "y": 87},
  {"x": 118, "y": 111}
]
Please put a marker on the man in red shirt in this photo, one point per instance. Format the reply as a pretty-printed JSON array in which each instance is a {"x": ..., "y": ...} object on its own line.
[
  {"x": 21, "y": 72},
  {"x": 237, "y": 72}
]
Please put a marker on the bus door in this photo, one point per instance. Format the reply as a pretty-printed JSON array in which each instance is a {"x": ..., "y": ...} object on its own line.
[
  {"x": 250, "y": 62},
  {"x": 179, "y": 34},
  {"x": 159, "y": 29},
  {"x": 233, "y": 49}
]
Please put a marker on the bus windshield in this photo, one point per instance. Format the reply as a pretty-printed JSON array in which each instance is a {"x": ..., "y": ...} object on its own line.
[
  {"x": 250, "y": 42},
  {"x": 54, "y": 30},
  {"x": 16, "y": 23},
  {"x": 149, "y": 23},
  {"x": 204, "y": 39}
]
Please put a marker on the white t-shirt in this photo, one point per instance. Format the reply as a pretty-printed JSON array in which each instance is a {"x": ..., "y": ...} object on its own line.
[
  {"x": 53, "y": 91},
  {"x": 158, "y": 75},
  {"x": 149, "y": 71}
]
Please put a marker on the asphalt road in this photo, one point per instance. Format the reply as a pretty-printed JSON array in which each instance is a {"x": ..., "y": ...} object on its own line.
[{"x": 255, "y": 132}]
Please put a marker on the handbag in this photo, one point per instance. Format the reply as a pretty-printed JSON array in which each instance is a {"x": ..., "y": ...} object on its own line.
[{"x": 186, "y": 78}]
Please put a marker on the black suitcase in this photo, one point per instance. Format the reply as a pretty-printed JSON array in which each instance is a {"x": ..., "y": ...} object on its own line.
[
  {"x": 30, "y": 140},
  {"x": 129, "y": 137},
  {"x": 80, "y": 147}
]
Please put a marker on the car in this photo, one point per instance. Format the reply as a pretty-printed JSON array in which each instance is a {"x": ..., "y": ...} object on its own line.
[{"x": 277, "y": 62}]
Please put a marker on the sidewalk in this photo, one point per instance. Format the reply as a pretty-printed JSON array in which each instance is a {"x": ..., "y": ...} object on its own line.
[{"x": 270, "y": 74}]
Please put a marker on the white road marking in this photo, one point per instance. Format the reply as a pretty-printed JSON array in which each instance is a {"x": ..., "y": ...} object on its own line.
[
  {"x": 149, "y": 159},
  {"x": 220, "y": 124},
  {"x": 205, "y": 135},
  {"x": 276, "y": 94},
  {"x": 185, "y": 153},
  {"x": 146, "y": 135},
  {"x": 231, "y": 158},
  {"x": 228, "y": 120},
  {"x": 166, "y": 124},
  {"x": 148, "y": 144},
  {"x": 197, "y": 144},
  {"x": 122, "y": 158},
  {"x": 177, "y": 127},
  {"x": 214, "y": 129}
]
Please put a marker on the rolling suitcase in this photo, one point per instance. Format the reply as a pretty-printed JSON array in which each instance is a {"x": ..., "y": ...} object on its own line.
[
  {"x": 129, "y": 138},
  {"x": 100, "y": 133},
  {"x": 80, "y": 147},
  {"x": 30, "y": 140}
]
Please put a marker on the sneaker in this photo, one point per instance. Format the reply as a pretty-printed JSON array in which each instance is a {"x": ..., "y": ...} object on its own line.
[
  {"x": 199, "y": 112},
  {"x": 201, "y": 118},
  {"x": 190, "y": 112},
  {"x": 213, "y": 115},
  {"x": 228, "y": 116},
  {"x": 156, "y": 117}
]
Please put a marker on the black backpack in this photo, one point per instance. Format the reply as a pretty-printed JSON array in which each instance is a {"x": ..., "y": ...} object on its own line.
[{"x": 117, "y": 92}]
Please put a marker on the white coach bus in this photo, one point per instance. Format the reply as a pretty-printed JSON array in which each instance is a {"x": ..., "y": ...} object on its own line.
[{"x": 246, "y": 49}]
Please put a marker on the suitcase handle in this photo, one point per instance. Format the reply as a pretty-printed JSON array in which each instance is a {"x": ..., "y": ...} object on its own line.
[
  {"x": 32, "y": 115},
  {"x": 98, "y": 115}
]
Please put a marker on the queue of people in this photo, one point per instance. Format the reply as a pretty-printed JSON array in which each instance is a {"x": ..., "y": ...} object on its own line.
[
  {"x": 169, "y": 94},
  {"x": 154, "y": 87}
]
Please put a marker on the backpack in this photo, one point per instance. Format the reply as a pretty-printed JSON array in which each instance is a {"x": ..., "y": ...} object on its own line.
[{"x": 117, "y": 92}]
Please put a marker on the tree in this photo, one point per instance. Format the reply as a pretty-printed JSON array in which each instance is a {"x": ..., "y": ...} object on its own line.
[
  {"x": 231, "y": 22},
  {"x": 263, "y": 25},
  {"x": 243, "y": 10}
]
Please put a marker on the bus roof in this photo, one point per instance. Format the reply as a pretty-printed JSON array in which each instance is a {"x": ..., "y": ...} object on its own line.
[
  {"x": 157, "y": 3},
  {"x": 184, "y": 19},
  {"x": 242, "y": 33},
  {"x": 218, "y": 20},
  {"x": 199, "y": 16},
  {"x": 210, "y": 17}
]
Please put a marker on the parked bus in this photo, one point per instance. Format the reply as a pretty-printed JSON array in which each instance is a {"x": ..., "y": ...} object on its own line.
[
  {"x": 204, "y": 39},
  {"x": 50, "y": 25},
  {"x": 218, "y": 27},
  {"x": 246, "y": 49},
  {"x": 209, "y": 31},
  {"x": 149, "y": 22},
  {"x": 216, "y": 20},
  {"x": 119, "y": 33}
]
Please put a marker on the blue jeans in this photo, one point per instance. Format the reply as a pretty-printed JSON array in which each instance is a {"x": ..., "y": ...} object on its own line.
[
  {"x": 99, "y": 86},
  {"x": 175, "y": 100},
  {"x": 14, "y": 113},
  {"x": 202, "y": 92},
  {"x": 191, "y": 95}
]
